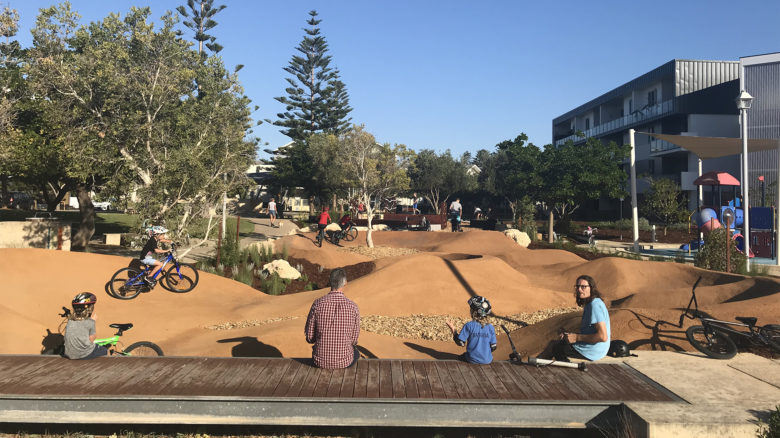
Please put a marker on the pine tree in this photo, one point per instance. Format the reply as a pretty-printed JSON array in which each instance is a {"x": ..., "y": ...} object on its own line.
[
  {"x": 202, "y": 21},
  {"x": 317, "y": 100}
]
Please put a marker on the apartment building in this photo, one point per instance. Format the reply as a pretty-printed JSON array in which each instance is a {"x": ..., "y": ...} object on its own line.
[{"x": 682, "y": 97}]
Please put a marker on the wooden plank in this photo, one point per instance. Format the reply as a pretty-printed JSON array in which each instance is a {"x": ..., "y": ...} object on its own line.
[
  {"x": 348, "y": 383},
  {"x": 275, "y": 372},
  {"x": 180, "y": 377},
  {"x": 288, "y": 378},
  {"x": 472, "y": 381},
  {"x": 490, "y": 377},
  {"x": 457, "y": 378},
  {"x": 546, "y": 378},
  {"x": 251, "y": 385},
  {"x": 432, "y": 375},
  {"x": 336, "y": 380},
  {"x": 321, "y": 388},
  {"x": 422, "y": 383},
  {"x": 12, "y": 368},
  {"x": 139, "y": 374},
  {"x": 307, "y": 389},
  {"x": 570, "y": 379},
  {"x": 516, "y": 389},
  {"x": 385, "y": 379},
  {"x": 410, "y": 379},
  {"x": 397, "y": 373},
  {"x": 201, "y": 377},
  {"x": 300, "y": 378},
  {"x": 593, "y": 386},
  {"x": 608, "y": 376},
  {"x": 361, "y": 379},
  {"x": 372, "y": 382},
  {"x": 447, "y": 382},
  {"x": 524, "y": 378}
]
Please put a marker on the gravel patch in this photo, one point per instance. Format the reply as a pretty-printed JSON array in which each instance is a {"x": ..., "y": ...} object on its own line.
[
  {"x": 379, "y": 252},
  {"x": 434, "y": 327},
  {"x": 231, "y": 325}
]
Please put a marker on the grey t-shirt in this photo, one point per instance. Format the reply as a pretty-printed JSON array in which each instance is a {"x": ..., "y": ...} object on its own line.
[{"x": 77, "y": 333}]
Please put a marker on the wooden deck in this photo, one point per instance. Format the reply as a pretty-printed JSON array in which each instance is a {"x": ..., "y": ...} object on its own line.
[{"x": 283, "y": 391}]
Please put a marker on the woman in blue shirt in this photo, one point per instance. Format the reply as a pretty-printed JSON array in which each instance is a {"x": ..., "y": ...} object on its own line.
[{"x": 592, "y": 342}]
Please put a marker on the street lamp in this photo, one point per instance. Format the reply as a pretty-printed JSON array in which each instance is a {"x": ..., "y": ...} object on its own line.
[{"x": 743, "y": 104}]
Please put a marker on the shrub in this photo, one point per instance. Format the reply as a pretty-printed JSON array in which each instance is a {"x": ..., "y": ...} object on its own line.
[
  {"x": 229, "y": 253},
  {"x": 273, "y": 284},
  {"x": 308, "y": 286},
  {"x": 245, "y": 275},
  {"x": 713, "y": 254},
  {"x": 772, "y": 428},
  {"x": 284, "y": 253},
  {"x": 254, "y": 254}
]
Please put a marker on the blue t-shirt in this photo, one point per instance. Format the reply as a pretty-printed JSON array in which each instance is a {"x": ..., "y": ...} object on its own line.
[
  {"x": 478, "y": 340},
  {"x": 594, "y": 312}
]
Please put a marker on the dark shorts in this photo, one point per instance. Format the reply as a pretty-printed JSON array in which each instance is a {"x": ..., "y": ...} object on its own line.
[
  {"x": 97, "y": 352},
  {"x": 564, "y": 350}
]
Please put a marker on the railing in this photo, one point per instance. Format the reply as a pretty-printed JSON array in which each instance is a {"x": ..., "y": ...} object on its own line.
[
  {"x": 662, "y": 146},
  {"x": 639, "y": 116}
]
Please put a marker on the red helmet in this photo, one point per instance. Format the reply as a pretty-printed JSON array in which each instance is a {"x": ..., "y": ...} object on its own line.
[
  {"x": 326, "y": 208},
  {"x": 84, "y": 299}
]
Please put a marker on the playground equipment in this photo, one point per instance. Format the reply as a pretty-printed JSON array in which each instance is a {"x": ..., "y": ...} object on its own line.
[{"x": 712, "y": 216}]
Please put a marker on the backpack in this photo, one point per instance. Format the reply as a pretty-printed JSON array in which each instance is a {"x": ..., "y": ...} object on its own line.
[{"x": 618, "y": 348}]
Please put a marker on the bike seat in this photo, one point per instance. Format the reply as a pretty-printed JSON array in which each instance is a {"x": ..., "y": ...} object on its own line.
[
  {"x": 122, "y": 327},
  {"x": 749, "y": 320}
]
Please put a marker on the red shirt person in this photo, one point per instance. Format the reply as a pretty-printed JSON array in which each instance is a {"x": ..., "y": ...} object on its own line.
[{"x": 333, "y": 326}]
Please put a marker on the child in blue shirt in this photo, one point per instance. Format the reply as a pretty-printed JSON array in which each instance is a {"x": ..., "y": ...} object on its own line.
[{"x": 477, "y": 335}]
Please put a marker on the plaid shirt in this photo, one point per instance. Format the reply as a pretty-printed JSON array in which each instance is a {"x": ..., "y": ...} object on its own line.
[{"x": 333, "y": 326}]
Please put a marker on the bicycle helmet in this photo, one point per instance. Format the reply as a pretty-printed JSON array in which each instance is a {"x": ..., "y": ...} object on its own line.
[
  {"x": 619, "y": 348},
  {"x": 84, "y": 299},
  {"x": 480, "y": 305},
  {"x": 157, "y": 229}
]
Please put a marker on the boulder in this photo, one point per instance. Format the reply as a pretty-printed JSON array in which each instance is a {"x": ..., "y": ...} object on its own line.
[
  {"x": 282, "y": 268},
  {"x": 333, "y": 227},
  {"x": 521, "y": 237}
]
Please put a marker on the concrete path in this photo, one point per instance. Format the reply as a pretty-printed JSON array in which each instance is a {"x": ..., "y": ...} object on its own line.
[{"x": 725, "y": 397}]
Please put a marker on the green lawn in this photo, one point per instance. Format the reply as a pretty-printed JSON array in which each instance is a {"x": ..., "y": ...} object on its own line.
[{"x": 120, "y": 222}]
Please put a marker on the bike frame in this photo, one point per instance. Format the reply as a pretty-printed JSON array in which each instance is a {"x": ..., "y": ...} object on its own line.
[
  {"x": 107, "y": 342},
  {"x": 169, "y": 259}
]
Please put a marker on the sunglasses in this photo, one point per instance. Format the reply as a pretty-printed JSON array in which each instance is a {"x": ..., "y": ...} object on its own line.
[{"x": 581, "y": 286}]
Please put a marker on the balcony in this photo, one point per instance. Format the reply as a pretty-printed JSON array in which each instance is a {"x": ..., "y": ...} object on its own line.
[{"x": 625, "y": 122}]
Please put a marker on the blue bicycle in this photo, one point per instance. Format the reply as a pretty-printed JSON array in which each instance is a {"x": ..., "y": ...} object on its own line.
[{"x": 128, "y": 282}]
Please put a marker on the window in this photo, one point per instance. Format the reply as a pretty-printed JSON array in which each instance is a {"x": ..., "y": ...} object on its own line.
[
  {"x": 630, "y": 106},
  {"x": 587, "y": 124},
  {"x": 651, "y": 167},
  {"x": 651, "y": 98}
]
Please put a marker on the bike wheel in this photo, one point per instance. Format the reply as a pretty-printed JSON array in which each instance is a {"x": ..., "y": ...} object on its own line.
[
  {"x": 771, "y": 333},
  {"x": 351, "y": 234},
  {"x": 711, "y": 342},
  {"x": 126, "y": 284},
  {"x": 182, "y": 281},
  {"x": 144, "y": 348}
]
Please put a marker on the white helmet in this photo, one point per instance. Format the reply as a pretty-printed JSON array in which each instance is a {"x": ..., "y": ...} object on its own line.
[{"x": 157, "y": 229}]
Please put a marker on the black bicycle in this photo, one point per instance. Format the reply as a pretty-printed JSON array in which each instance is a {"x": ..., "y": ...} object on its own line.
[{"x": 713, "y": 336}]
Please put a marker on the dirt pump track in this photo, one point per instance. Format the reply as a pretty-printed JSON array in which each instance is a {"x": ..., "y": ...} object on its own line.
[{"x": 222, "y": 317}]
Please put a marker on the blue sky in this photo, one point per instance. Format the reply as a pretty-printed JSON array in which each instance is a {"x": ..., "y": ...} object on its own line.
[{"x": 465, "y": 75}]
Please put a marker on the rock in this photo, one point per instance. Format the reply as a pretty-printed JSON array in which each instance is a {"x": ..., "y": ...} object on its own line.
[
  {"x": 521, "y": 237},
  {"x": 282, "y": 268},
  {"x": 336, "y": 227},
  {"x": 379, "y": 227}
]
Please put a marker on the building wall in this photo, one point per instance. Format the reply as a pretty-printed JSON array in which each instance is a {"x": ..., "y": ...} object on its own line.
[{"x": 762, "y": 80}]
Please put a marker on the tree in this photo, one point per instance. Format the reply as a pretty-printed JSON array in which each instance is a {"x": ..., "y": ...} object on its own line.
[
  {"x": 437, "y": 177},
  {"x": 11, "y": 82},
  {"x": 573, "y": 174},
  {"x": 124, "y": 99},
  {"x": 517, "y": 176},
  {"x": 203, "y": 12},
  {"x": 330, "y": 177},
  {"x": 377, "y": 170},
  {"x": 317, "y": 100},
  {"x": 665, "y": 201}
]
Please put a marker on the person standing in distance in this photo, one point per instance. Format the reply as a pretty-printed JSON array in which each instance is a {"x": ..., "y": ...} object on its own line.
[
  {"x": 272, "y": 211},
  {"x": 592, "y": 342},
  {"x": 333, "y": 326},
  {"x": 456, "y": 211}
]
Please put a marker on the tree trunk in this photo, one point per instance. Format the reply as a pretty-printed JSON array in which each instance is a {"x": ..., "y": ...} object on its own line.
[
  {"x": 3, "y": 190},
  {"x": 80, "y": 240},
  {"x": 370, "y": 216},
  {"x": 335, "y": 203},
  {"x": 550, "y": 228}
]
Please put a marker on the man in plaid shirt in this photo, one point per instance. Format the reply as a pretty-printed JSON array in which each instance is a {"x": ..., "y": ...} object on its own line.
[{"x": 333, "y": 326}]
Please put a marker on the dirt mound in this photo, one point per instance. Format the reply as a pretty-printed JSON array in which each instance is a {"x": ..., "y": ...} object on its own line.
[{"x": 432, "y": 277}]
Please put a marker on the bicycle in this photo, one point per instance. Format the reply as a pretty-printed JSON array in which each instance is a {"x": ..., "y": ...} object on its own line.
[
  {"x": 348, "y": 234},
  {"x": 713, "y": 336},
  {"x": 127, "y": 283},
  {"x": 140, "y": 348}
]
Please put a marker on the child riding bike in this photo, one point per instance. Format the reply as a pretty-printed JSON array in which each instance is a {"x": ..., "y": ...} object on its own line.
[{"x": 156, "y": 235}]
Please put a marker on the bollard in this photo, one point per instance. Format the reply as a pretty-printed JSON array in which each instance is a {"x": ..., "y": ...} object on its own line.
[{"x": 653, "y": 236}]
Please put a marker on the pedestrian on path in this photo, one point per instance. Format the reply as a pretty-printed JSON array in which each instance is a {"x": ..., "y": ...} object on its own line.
[{"x": 272, "y": 211}]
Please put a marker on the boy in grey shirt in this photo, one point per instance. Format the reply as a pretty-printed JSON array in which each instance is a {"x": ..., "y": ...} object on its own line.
[{"x": 80, "y": 331}]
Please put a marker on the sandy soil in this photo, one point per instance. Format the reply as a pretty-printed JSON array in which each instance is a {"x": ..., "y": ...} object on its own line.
[{"x": 419, "y": 288}]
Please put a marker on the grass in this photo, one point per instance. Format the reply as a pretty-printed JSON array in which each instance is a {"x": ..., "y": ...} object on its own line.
[{"x": 108, "y": 222}]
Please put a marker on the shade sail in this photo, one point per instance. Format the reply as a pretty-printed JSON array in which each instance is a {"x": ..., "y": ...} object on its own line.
[
  {"x": 716, "y": 179},
  {"x": 714, "y": 147}
]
